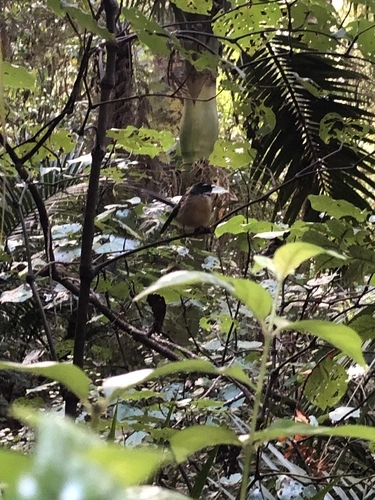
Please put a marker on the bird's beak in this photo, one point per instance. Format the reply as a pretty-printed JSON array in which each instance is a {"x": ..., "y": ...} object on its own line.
[{"x": 219, "y": 190}]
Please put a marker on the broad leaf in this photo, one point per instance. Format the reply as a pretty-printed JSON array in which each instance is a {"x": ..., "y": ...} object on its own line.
[
  {"x": 143, "y": 140},
  {"x": 17, "y": 77},
  {"x": 255, "y": 297},
  {"x": 326, "y": 384},
  {"x": 194, "y": 6},
  {"x": 12, "y": 465},
  {"x": 290, "y": 256},
  {"x": 149, "y": 32},
  {"x": 114, "y": 387},
  {"x": 193, "y": 439},
  {"x": 65, "y": 373},
  {"x": 337, "y": 208},
  {"x": 288, "y": 428},
  {"x": 342, "y": 337},
  {"x": 84, "y": 20}
]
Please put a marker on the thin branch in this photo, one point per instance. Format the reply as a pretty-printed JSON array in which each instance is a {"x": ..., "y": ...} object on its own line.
[{"x": 98, "y": 153}]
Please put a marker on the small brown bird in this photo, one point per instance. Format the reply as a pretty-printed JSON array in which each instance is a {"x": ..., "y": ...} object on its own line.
[{"x": 194, "y": 209}]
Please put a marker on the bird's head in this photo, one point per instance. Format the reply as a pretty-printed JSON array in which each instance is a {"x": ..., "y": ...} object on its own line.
[{"x": 205, "y": 188}]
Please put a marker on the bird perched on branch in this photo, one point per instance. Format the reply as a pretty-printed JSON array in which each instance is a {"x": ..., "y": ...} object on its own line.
[{"x": 194, "y": 209}]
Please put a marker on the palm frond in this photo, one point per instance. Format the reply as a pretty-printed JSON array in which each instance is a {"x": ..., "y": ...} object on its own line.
[{"x": 302, "y": 87}]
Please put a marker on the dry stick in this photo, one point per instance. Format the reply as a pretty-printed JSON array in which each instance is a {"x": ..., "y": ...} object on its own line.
[
  {"x": 98, "y": 153},
  {"x": 140, "y": 336}
]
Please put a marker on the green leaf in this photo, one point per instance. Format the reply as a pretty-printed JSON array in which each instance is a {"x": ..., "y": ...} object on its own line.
[
  {"x": 84, "y": 20},
  {"x": 290, "y": 256},
  {"x": 193, "y": 439},
  {"x": 327, "y": 384},
  {"x": 65, "y": 373},
  {"x": 255, "y": 297},
  {"x": 364, "y": 325},
  {"x": 13, "y": 464},
  {"x": 337, "y": 208},
  {"x": 245, "y": 25},
  {"x": 61, "y": 140},
  {"x": 17, "y": 77},
  {"x": 342, "y": 337},
  {"x": 114, "y": 387},
  {"x": 194, "y": 6},
  {"x": 149, "y": 32},
  {"x": 235, "y": 225},
  {"x": 232, "y": 155},
  {"x": 143, "y": 140},
  {"x": 66, "y": 454},
  {"x": 363, "y": 32},
  {"x": 130, "y": 466},
  {"x": 287, "y": 428}
]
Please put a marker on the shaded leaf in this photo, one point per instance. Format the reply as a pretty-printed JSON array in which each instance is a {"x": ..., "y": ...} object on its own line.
[
  {"x": 342, "y": 337},
  {"x": 327, "y": 384},
  {"x": 68, "y": 374},
  {"x": 114, "y": 387},
  {"x": 193, "y": 439},
  {"x": 255, "y": 297}
]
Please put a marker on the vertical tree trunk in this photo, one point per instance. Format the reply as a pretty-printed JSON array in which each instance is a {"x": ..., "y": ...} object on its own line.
[{"x": 199, "y": 125}]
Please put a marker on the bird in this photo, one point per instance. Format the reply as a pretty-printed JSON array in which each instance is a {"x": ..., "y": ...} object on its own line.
[{"x": 194, "y": 209}]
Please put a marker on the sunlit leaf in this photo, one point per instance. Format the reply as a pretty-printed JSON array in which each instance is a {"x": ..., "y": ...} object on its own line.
[
  {"x": 130, "y": 466},
  {"x": 149, "y": 32},
  {"x": 84, "y": 20},
  {"x": 143, "y": 140},
  {"x": 363, "y": 31},
  {"x": 12, "y": 465},
  {"x": 17, "y": 77},
  {"x": 69, "y": 459},
  {"x": 290, "y": 256},
  {"x": 231, "y": 154},
  {"x": 337, "y": 208},
  {"x": 235, "y": 225},
  {"x": 194, "y": 6}
]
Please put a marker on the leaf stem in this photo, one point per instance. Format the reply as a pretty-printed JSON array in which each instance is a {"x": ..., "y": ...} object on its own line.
[{"x": 249, "y": 448}]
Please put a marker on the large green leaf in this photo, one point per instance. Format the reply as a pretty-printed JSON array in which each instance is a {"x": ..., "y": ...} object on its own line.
[
  {"x": 68, "y": 458},
  {"x": 241, "y": 25},
  {"x": 12, "y": 465},
  {"x": 255, "y": 297},
  {"x": 326, "y": 384},
  {"x": 17, "y": 77},
  {"x": 337, "y": 208},
  {"x": 69, "y": 375},
  {"x": 84, "y": 19},
  {"x": 143, "y": 140},
  {"x": 193, "y": 439},
  {"x": 341, "y": 336},
  {"x": 288, "y": 428},
  {"x": 114, "y": 387},
  {"x": 149, "y": 32}
]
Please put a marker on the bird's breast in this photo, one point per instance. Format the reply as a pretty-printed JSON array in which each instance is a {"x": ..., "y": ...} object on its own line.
[{"x": 195, "y": 212}]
